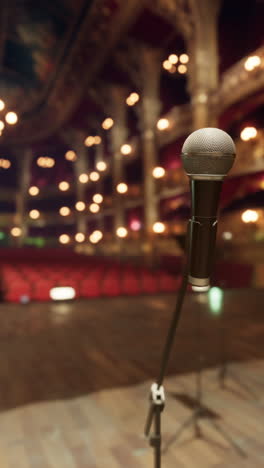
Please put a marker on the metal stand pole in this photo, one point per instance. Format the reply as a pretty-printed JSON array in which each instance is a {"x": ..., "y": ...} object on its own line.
[{"x": 157, "y": 396}]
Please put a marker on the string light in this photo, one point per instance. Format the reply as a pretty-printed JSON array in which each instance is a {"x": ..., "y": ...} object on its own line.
[
  {"x": 71, "y": 155},
  {"x": 2, "y": 125},
  {"x": 98, "y": 198},
  {"x": 248, "y": 133},
  {"x": 2, "y": 105},
  {"x": 79, "y": 237},
  {"x": 158, "y": 172},
  {"x": 80, "y": 206},
  {"x": 101, "y": 166},
  {"x": 252, "y": 62},
  {"x": 33, "y": 191},
  {"x": 16, "y": 231},
  {"x": 64, "y": 239},
  {"x": 163, "y": 124},
  {"x": 65, "y": 211},
  {"x": 94, "y": 176},
  {"x": 121, "y": 232},
  {"x": 64, "y": 186},
  {"x": 11, "y": 118},
  {"x": 34, "y": 214},
  {"x": 107, "y": 123},
  {"x": 126, "y": 149},
  {"x": 249, "y": 216},
  {"x": 94, "y": 208},
  {"x": 122, "y": 187},
  {"x": 83, "y": 178},
  {"x": 158, "y": 227}
]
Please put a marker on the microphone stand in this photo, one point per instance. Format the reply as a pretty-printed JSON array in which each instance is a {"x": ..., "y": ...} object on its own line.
[{"x": 157, "y": 394}]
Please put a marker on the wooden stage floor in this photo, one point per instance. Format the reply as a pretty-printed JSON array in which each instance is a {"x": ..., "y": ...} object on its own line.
[{"x": 74, "y": 382}]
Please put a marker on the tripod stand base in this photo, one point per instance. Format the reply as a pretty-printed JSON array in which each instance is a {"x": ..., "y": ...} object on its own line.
[{"x": 202, "y": 413}]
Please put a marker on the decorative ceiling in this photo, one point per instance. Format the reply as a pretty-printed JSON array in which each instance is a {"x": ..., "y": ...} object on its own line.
[{"x": 59, "y": 61}]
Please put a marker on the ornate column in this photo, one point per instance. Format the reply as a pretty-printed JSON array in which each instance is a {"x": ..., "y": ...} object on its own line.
[
  {"x": 80, "y": 167},
  {"x": 202, "y": 45},
  {"x": 119, "y": 135},
  {"x": 149, "y": 111},
  {"x": 24, "y": 161}
]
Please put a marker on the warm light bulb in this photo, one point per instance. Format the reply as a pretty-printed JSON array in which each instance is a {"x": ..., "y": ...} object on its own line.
[
  {"x": 2, "y": 125},
  {"x": 97, "y": 140},
  {"x": 65, "y": 211},
  {"x": 70, "y": 155},
  {"x": 107, "y": 123},
  {"x": 227, "y": 235},
  {"x": 33, "y": 191},
  {"x": 16, "y": 231},
  {"x": 34, "y": 214},
  {"x": 182, "y": 69},
  {"x": 163, "y": 124},
  {"x": 89, "y": 141},
  {"x": 80, "y": 206},
  {"x": 249, "y": 216},
  {"x": 98, "y": 198},
  {"x": 248, "y": 133},
  {"x": 95, "y": 237},
  {"x": 167, "y": 65},
  {"x": 122, "y": 187},
  {"x": 173, "y": 59},
  {"x": 121, "y": 232},
  {"x": 79, "y": 237},
  {"x": 63, "y": 186},
  {"x": 83, "y": 178},
  {"x": 252, "y": 62},
  {"x": 94, "y": 176},
  {"x": 2, "y": 105},
  {"x": 11, "y": 118},
  {"x": 126, "y": 149},
  {"x": 6, "y": 163},
  {"x": 132, "y": 99},
  {"x": 64, "y": 239},
  {"x": 184, "y": 58},
  {"x": 101, "y": 166},
  {"x": 158, "y": 172},
  {"x": 94, "y": 208},
  {"x": 158, "y": 227}
]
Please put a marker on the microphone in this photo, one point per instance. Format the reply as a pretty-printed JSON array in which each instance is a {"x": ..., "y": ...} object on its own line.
[{"x": 207, "y": 156}]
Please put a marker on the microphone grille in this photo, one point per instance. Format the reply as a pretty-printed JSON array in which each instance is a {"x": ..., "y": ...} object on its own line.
[
  {"x": 209, "y": 140},
  {"x": 208, "y": 152}
]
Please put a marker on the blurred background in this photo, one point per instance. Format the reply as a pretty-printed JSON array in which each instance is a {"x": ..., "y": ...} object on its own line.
[{"x": 96, "y": 100}]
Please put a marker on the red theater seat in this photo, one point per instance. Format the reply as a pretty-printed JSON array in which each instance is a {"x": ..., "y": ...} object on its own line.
[
  {"x": 149, "y": 282},
  {"x": 169, "y": 283},
  {"x": 111, "y": 284},
  {"x": 15, "y": 291},
  {"x": 90, "y": 287},
  {"x": 130, "y": 283}
]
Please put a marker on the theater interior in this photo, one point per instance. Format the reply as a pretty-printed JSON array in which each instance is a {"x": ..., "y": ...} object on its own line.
[{"x": 97, "y": 98}]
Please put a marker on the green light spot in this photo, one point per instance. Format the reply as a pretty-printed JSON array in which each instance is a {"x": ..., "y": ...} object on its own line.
[{"x": 215, "y": 296}]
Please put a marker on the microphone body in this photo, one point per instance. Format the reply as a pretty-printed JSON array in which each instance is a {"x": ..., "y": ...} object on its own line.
[
  {"x": 203, "y": 228},
  {"x": 207, "y": 156}
]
